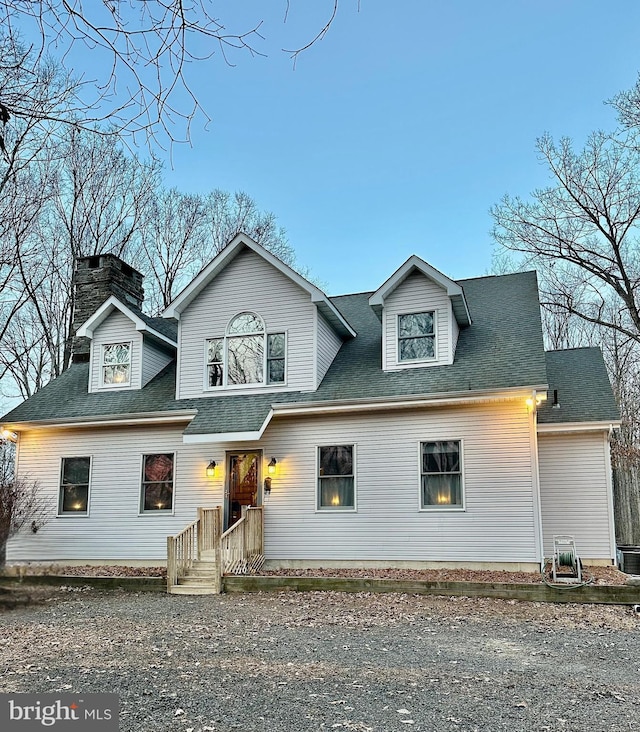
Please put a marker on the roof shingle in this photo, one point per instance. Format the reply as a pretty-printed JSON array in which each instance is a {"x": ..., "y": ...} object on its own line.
[{"x": 501, "y": 349}]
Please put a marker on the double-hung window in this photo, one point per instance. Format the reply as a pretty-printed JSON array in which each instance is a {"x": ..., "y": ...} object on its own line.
[
  {"x": 115, "y": 367},
  {"x": 247, "y": 354},
  {"x": 74, "y": 486},
  {"x": 336, "y": 478},
  {"x": 157, "y": 482},
  {"x": 441, "y": 475},
  {"x": 417, "y": 336},
  {"x": 275, "y": 358}
]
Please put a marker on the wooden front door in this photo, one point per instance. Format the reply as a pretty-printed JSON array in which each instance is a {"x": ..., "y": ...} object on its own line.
[{"x": 243, "y": 487}]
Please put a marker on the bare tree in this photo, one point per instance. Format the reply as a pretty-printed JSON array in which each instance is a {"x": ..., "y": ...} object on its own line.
[
  {"x": 622, "y": 356},
  {"x": 582, "y": 231},
  {"x": 21, "y": 503},
  {"x": 227, "y": 215},
  {"x": 627, "y": 104},
  {"x": 38, "y": 99},
  {"x": 146, "y": 49},
  {"x": 96, "y": 196},
  {"x": 183, "y": 233},
  {"x": 173, "y": 244}
]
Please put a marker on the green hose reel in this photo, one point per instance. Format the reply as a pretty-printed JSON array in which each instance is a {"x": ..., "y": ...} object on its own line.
[{"x": 567, "y": 567}]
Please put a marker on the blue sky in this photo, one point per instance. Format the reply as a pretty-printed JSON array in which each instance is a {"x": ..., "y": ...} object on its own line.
[{"x": 396, "y": 133}]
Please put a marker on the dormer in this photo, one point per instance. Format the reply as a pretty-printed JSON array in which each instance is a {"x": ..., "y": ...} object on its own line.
[
  {"x": 421, "y": 311},
  {"x": 248, "y": 322},
  {"x": 127, "y": 347}
]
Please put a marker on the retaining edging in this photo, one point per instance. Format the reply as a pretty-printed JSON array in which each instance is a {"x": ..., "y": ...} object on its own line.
[
  {"x": 590, "y": 594},
  {"x": 136, "y": 584}
]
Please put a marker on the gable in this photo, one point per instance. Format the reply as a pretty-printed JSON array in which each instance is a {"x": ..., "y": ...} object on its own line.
[
  {"x": 418, "y": 294},
  {"x": 160, "y": 329},
  {"x": 247, "y": 284},
  {"x": 414, "y": 264},
  {"x": 151, "y": 345},
  {"x": 239, "y": 244},
  {"x": 117, "y": 328}
]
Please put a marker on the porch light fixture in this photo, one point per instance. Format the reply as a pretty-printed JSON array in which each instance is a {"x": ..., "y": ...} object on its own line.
[
  {"x": 211, "y": 469},
  {"x": 8, "y": 434},
  {"x": 272, "y": 466}
]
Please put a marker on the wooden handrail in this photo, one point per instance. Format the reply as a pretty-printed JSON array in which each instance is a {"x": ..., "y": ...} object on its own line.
[
  {"x": 186, "y": 547},
  {"x": 238, "y": 550},
  {"x": 241, "y": 545},
  {"x": 233, "y": 528}
]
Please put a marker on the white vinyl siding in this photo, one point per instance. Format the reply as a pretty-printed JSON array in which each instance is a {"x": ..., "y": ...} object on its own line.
[
  {"x": 497, "y": 524},
  {"x": 417, "y": 294},
  {"x": 327, "y": 348},
  {"x": 154, "y": 359},
  {"x": 248, "y": 283},
  {"x": 114, "y": 529},
  {"x": 574, "y": 492},
  {"x": 455, "y": 330},
  {"x": 117, "y": 328}
]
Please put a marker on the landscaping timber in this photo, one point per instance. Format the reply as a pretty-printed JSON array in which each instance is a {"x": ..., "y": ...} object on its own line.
[
  {"x": 136, "y": 584},
  {"x": 598, "y": 594},
  {"x": 589, "y": 594}
]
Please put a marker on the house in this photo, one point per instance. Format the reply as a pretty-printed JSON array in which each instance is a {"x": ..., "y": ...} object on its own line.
[{"x": 420, "y": 425}]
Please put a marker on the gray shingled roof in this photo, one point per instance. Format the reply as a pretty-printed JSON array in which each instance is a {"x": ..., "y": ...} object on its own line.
[
  {"x": 502, "y": 348},
  {"x": 165, "y": 326},
  {"x": 584, "y": 392},
  {"x": 67, "y": 398}
]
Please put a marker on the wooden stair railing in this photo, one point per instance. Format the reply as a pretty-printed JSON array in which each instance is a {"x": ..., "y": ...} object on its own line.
[
  {"x": 242, "y": 546},
  {"x": 187, "y": 547}
]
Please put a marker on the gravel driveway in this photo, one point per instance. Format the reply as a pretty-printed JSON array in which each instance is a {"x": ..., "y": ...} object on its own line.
[{"x": 330, "y": 661}]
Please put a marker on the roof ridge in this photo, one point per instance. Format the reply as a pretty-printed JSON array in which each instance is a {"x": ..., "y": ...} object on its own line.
[{"x": 573, "y": 348}]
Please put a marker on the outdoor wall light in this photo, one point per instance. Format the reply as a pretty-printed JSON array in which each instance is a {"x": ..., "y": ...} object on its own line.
[
  {"x": 211, "y": 469},
  {"x": 272, "y": 466},
  {"x": 10, "y": 435},
  {"x": 535, "y": 400}
]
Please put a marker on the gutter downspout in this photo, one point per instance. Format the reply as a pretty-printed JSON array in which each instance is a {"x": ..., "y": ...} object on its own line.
[{"x": 609, "y": 480}]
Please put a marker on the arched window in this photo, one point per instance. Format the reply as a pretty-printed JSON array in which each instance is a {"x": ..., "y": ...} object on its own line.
[{"x": 246, "y": 354}]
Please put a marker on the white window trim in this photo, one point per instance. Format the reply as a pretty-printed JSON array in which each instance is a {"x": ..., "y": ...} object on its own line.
[
  {"x": 329, "y": 509},
  {"x": 451, "y": 509},
  {"x": 123, "y": 385},
  {"x": 74, "y": 514},
  {"x": 417, "y": 361},
  {"x": 157, "y": 511},
  {"x": 277, "y": 384},
  {"x": 257, "y": 385}
]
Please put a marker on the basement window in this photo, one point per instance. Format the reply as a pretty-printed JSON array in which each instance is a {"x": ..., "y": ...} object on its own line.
[
  {"x": 157, "y": 483},
  {"x": 74, "y": 486}
]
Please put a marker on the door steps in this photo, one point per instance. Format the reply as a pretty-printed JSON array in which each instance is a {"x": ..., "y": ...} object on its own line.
[{"x": 201, "y": 579}]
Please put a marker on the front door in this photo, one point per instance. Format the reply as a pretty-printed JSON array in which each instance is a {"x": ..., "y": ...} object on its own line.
[{"x": 243, "y": 475}]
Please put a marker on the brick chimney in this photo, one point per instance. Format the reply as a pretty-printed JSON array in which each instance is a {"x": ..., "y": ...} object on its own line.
[{"x": 95, "y": 279}]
